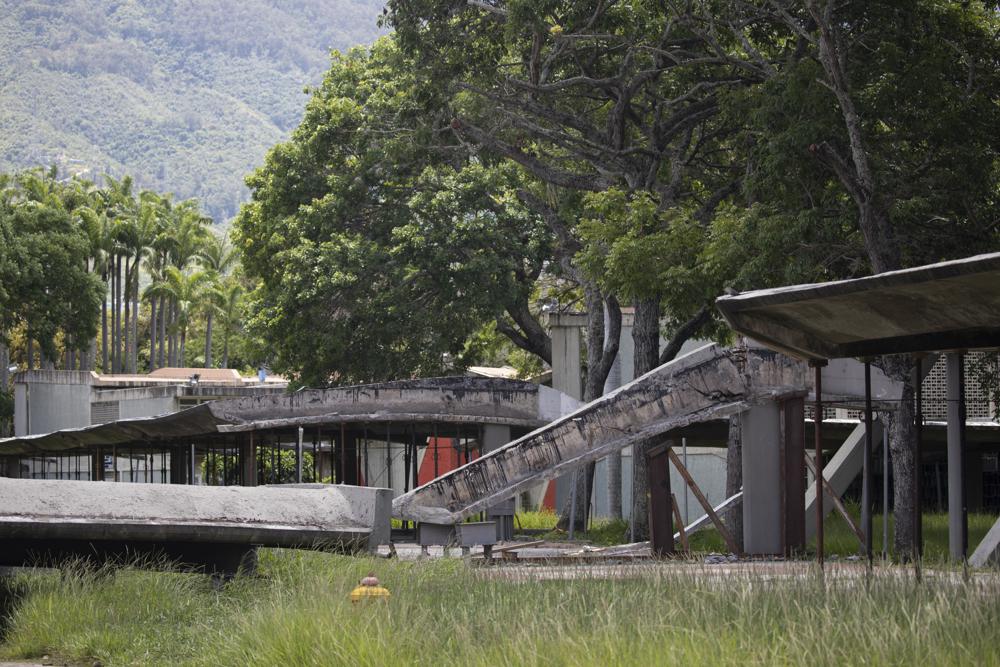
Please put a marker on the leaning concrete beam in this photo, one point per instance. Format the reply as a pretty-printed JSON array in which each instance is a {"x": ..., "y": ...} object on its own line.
[
  {"x": 988, "y": 551},
  {"x": 841, "y": 471},
  {"x": 308, "y": 516},
  {"x": 709, "y": 383}
]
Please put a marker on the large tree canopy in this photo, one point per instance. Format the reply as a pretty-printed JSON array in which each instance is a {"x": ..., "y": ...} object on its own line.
[{"x": 379, "y": 245}]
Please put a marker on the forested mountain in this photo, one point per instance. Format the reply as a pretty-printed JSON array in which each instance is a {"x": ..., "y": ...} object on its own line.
[{"x": 185, "y": 95}]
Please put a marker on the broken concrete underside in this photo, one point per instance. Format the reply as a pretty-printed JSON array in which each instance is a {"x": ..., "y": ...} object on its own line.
[{"x": 709, "y": 383}]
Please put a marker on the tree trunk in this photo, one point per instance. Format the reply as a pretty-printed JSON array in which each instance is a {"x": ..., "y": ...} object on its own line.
[
  {"x": 171, "y": 334},
  {"x": 116, "y": 363},
  {"x": 4, "y": 364},
  {"x": 646, "y": 338},
  {"x": 225, "y": 347},
  {"x": 208, "y": 341},
  {"x": 29, "y": 353},
  {"x": 104, "y": 328},
  {"x": 902, "y": 441},
  {"x": 602, "y": 348},
  {"x": 126, "y": 333},
  {"x": 182, "y": 356},
  {"x": 613, "y": 381},
  {"x": 135, "y": 317},
  {"x": 734, "y": 479},
  {"x": 161, "y": 359}
]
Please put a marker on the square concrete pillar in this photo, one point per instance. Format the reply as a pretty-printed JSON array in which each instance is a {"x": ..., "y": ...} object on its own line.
[
  {"x": 502, "y": 514},
  {"x": 762, "y": 480}
]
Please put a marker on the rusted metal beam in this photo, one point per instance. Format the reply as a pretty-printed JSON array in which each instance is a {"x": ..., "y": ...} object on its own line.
[
  {"x": 838, "y": 504},
  {"x": 707, "y": 506},
  {"x": 680, "y": 523}
]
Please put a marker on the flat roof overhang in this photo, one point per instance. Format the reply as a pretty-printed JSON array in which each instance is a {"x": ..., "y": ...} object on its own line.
[{"x": 952, "y": 305}]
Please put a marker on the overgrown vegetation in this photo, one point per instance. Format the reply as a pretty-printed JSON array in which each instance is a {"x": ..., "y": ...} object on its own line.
[{"x": 443, "y": 612}]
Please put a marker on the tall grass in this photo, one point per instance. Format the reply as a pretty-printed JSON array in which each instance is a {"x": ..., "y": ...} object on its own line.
[
  {"x": 839, "y": 539},
  {"x": 443, "y": 612}
]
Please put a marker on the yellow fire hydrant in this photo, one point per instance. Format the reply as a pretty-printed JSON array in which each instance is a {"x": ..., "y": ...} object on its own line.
[{"x": 369, "y": 589}]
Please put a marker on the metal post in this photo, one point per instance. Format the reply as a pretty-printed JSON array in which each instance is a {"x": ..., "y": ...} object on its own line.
[
  {"x": 958, "y": 524},
  {"x": 918, "y": 529},
  {"x": 190, "y": 468},
  {"x": 818, "y": 432},
  {"x": 885, "y": 493},
  {"x": 684, "y": 450},
  {"x": 298, "y": 458},
  {"x": 572, "y": 506},
  {"x": 866, "y": 475}
]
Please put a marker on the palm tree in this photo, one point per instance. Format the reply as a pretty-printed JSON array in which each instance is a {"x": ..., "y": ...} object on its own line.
[
  {"x": 217, "y": 258},
  {"x": 184, "y": 292},
  {"x": 232, "y": 294}
]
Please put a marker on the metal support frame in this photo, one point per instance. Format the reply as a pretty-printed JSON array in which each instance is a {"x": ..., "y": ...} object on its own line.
[
  {"x": 661, "y": 500},
  {"x": 866, "y": 470},
  {"x": 818, "y": 457},
  {"x": 958, "y": 504},
  {"x": 918, "y": 513}
]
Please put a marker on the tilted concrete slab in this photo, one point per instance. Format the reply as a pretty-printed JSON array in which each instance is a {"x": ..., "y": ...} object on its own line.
[
  {"x": 709, "y": 383},
  {"x": 47, "y": 515},
  {"x": 988, "y": 551}
]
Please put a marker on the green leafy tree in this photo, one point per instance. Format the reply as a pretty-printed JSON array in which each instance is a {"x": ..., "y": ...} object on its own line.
[{"x": 380, "y": 237}]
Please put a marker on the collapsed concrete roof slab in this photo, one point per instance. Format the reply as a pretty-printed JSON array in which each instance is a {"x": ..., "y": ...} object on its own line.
[
  {"x": 311, "y": 516},
  {"x": 708, "y": 383},
  {"x": 444, "y": 400},
  {"x": 947, "y": 306}
]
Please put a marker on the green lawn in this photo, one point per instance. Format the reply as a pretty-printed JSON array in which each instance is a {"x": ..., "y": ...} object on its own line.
[{"x": 443, "y": 612}]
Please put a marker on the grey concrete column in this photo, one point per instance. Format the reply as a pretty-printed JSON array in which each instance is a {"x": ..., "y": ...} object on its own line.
[
  {"x": 248, "y": 460},
  {"x": 494, "y": 437},
  {"x": 564, "y": 330},
  {"x": 566, "y": 370},
  {"x": 957, "y": 512},
  {"x": 762, "y": 489}
]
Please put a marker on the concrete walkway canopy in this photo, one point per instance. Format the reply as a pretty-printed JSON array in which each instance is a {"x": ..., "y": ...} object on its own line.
[{"x": 948, "y": 306}]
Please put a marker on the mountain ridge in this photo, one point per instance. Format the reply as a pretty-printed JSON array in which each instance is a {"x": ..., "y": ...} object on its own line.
[{"x": 184, "y": 95}]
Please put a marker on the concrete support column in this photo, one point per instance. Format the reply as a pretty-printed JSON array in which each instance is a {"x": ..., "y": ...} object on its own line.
[
  {"x": 958, "y": 527},
  {"x": 248, "y": 460},
  {"x": 178, "y": 467},
  {"x": 567, "y": 376},
  {"x": 346, "y": 459},
  {"x": 762, "y": 487},
  {"x": 494, "y": 437}
]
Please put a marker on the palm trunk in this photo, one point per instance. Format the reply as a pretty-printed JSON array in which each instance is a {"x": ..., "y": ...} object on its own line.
[
  {"x": 170, "y": 334},
  {"x": 161, "y": 360},
  {"x": 208, "y": 341},
  {"x": 181, "y": 360},
  {"x": 152, "y": 334},
  {"x": 225, "y": 347},
  {"x": 104, "y": 326},
  {"x": 116, "y": 364},
  {"x": 126, "y": 334},
  {"x": 135, "y": 317}
]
